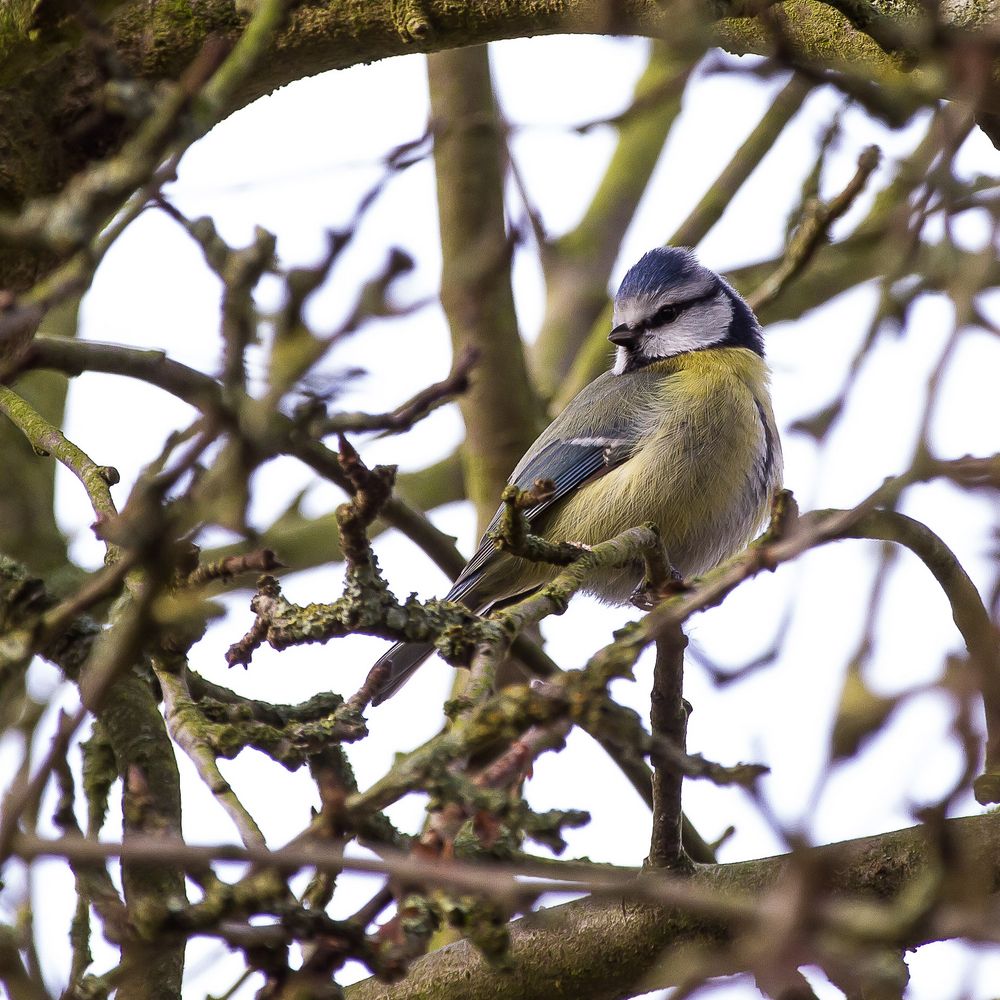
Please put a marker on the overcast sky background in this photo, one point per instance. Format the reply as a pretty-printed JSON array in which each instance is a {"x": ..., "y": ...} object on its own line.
[{"x": 297, "y": 163}]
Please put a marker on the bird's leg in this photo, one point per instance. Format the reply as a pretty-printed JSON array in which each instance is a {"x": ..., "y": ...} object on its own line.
[
  {"x": 660, "y": 579},
  {"x": 647, "y": 595}
]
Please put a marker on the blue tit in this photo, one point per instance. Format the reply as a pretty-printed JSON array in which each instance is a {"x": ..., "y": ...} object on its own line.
[{"x": 679, "y": 432}]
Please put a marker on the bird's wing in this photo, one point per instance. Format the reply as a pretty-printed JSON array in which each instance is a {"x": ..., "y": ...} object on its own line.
[{"x": 569, "y": 465}]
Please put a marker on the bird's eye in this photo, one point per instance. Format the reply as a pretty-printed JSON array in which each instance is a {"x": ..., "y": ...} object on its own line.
[{"x": 666, "y": 315}]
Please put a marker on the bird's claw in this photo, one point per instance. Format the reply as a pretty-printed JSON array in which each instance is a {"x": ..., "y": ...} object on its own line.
[
  {"x": 643, "y": 598},
  {"x": 646, "y": 596}
]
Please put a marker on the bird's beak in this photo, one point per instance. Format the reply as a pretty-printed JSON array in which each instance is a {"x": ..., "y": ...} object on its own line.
[{"x": 622, "y": 336}]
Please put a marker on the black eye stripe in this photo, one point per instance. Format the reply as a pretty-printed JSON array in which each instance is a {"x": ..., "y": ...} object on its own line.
[{"x": 672, "y": 311}]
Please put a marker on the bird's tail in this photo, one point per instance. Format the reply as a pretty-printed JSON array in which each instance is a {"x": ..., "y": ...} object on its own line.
[{"x": 403, "y": 659}]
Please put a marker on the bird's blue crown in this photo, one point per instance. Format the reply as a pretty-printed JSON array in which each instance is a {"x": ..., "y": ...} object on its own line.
[
  {"x": 673, "y": 273},
  {"x": 659, "y": 269}
]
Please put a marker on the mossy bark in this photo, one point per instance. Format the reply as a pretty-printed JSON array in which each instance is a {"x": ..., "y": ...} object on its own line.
[{"x": 53, "y": 118}]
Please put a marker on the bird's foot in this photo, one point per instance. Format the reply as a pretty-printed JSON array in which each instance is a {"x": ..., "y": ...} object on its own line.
[{"x": 646, "y": 596}]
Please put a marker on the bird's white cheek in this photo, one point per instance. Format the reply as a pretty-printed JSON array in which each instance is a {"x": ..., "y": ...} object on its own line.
[
  {"x": 687, "y": 334},
  {"x": 696, "y": 329},
  {"x": 621, "y": 360}
]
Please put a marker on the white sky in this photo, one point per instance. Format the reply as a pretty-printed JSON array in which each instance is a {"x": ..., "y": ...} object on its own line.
[{"x": 296, "y": 163}]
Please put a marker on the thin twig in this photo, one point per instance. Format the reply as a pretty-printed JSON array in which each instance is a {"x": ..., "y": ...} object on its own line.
[
  {"x": 813, "y": 231},
  {"x": 409, "y": 413}
]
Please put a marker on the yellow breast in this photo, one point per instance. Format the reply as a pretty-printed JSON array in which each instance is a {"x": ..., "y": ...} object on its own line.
[{"x": 706, "y": 471}]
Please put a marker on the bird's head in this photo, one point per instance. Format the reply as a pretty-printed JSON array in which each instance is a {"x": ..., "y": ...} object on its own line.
[{"x": 669, "y": 304}]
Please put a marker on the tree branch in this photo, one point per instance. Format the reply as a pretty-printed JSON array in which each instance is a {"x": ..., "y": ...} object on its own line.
[
  {"x": 502, "y": 415},
  {"x": 282, "y": 436},
  {"x": 598, "y": 949},
  {"x": 668, "y": 723}
]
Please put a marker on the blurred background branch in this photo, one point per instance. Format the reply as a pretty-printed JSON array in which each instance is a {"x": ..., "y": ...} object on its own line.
[{"x": 99, "y": 107}]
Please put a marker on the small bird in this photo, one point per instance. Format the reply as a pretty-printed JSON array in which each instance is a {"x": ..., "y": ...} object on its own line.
[{"x": 679, "y": 432}]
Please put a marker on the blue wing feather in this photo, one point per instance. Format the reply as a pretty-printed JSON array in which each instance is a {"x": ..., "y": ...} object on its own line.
[
  {"x": 568, "y": 464},
  {"x": 599, "y": 435}
]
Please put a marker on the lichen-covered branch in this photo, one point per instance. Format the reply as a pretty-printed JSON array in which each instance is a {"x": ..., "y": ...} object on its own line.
[
  {"x": 156, "y": 43},
  {"x": 188, "y": 728},
  {"x": 97, "y": 105},
  {"x": 865, "y": 892}
]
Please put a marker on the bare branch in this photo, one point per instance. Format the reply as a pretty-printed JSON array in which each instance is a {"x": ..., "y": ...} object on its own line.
[{"x": 814, "y": 230}]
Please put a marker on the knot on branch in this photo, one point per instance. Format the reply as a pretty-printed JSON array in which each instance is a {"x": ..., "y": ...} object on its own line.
[
  {"x": 410, "y": 19},
  {"x": 784, "y": 516},
  {"x": 266, "y": 604},
  {"x": 457, "y": 646}
]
